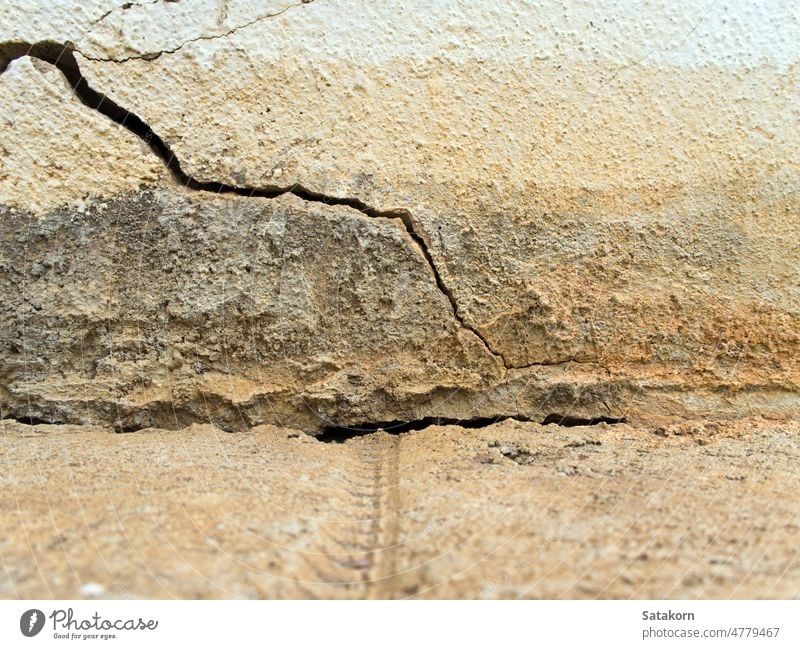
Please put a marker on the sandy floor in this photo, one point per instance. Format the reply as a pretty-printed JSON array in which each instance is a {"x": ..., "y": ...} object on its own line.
[{"x": 509, "y": 510}]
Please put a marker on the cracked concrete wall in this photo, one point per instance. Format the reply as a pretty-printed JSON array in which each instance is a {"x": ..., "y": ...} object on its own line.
[{"x": 559, "y": 208}]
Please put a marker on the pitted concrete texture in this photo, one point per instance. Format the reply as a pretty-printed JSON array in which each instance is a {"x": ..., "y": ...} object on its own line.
[
  {"x": 701, "y": 509},
  {"x": 233, "y": 231},
  {"x": 307, "y": 215}
]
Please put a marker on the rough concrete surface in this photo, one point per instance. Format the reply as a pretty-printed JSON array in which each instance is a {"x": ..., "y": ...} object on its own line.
[
  {"x": 218, "y": 216},
  {"x": 530, "y": 198},
  {"x": 700, "y": 509}
]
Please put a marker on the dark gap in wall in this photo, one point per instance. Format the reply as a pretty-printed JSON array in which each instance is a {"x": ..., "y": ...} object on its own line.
[
  {"x": 566, "y": 420},
  {"x": 340, "y": 434},
  {"x": 34, "y": 421}
]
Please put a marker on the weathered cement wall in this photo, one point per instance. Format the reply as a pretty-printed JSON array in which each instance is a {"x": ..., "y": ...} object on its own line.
[{"x": 587, "y": 209}]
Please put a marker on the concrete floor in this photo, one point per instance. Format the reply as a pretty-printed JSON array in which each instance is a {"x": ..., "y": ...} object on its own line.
[{"x": 700, "y": 509}]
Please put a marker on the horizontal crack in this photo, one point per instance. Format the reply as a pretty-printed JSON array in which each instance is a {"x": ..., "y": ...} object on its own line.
[
  {"x": 340, "y": 434},
  {"x": 62, "y": 57},
  {"x": 151, "y": 56},
  {"x": 33, "y": 421}
]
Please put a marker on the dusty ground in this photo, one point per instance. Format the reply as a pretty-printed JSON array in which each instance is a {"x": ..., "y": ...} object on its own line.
[
  {"x": 269, "y": 216},
  {"x": 508, "y": 510}
]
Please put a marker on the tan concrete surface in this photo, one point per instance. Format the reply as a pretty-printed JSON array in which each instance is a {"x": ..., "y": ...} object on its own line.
[
  {"x": 586, "y": 209},
  {"x": 229, "y": 226},
  {"x": 508, "y": 510}
]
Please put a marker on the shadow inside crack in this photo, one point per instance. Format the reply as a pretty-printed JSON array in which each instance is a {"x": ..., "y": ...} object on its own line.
[{"x": 338, "y": 434}]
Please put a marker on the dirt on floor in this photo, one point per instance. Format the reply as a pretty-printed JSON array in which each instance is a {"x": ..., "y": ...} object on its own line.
[{"x": 510, "y": 510}]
